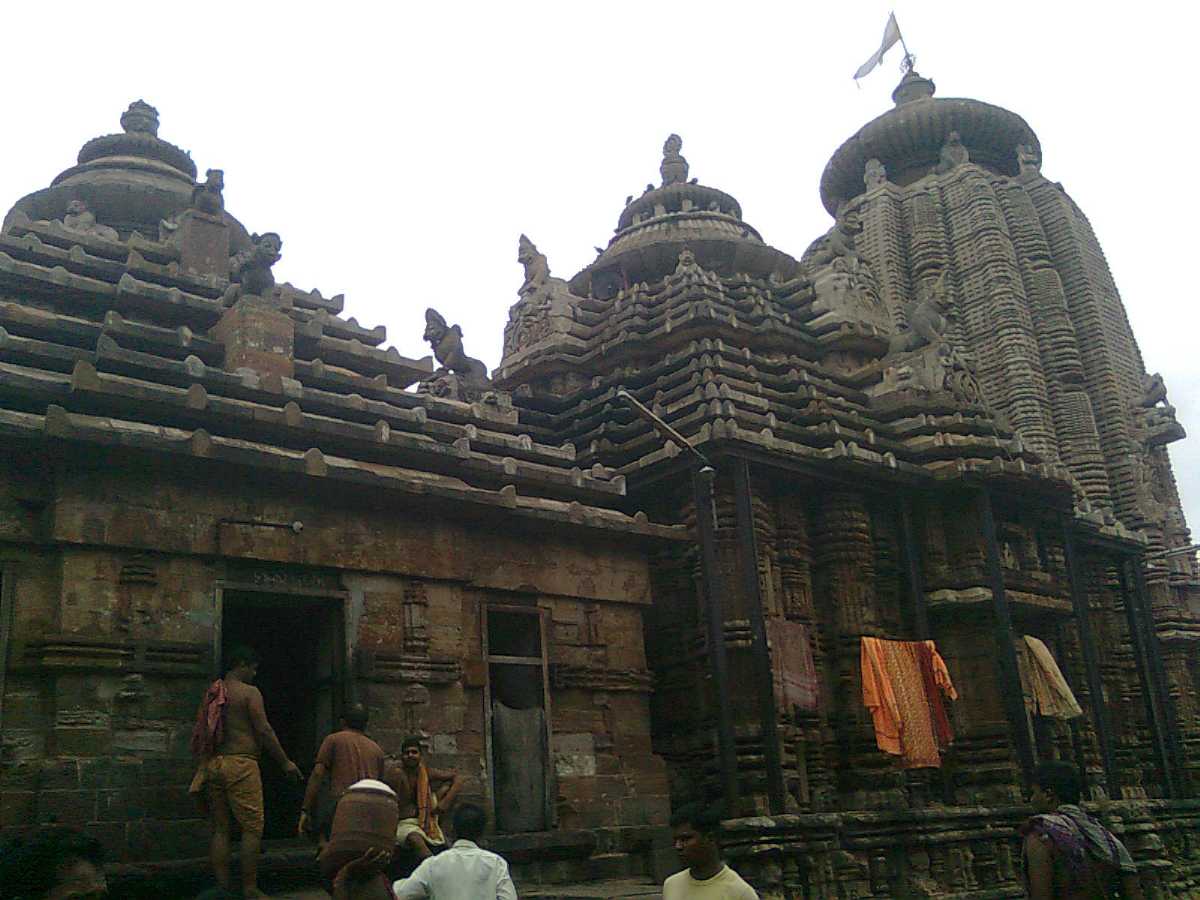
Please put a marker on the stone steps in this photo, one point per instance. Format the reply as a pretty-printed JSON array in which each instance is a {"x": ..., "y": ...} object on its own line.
[{"x": 607, "y": 889}]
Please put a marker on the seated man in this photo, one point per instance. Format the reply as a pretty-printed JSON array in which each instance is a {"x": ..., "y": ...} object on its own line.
[
  {"x": 53, "y": 862},
  {"x": 420, "y": 800}
]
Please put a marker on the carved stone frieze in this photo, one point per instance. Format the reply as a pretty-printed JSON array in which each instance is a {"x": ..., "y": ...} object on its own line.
[{"x": 599, "y": 678}]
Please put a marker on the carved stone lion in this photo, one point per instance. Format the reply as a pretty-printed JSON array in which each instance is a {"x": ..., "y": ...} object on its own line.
[
  {"x": 537, "y": 270},
  {"x": 207, "y": 196},
  {"x": 250, "y": 270},
  {"x": 928, "y": 320}
]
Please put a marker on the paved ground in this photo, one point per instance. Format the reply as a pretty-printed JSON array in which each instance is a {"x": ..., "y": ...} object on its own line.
[{"x": 622, "y": 889}]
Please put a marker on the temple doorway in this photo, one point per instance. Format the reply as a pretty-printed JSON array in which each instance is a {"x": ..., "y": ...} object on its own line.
[
  {"x": 517, "y": 708},
  {"x": 299, "y": 642}
]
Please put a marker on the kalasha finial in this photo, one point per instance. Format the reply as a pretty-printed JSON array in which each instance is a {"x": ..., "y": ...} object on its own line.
[
  {"x": 913, "y": 87},
  {"x": 140, "y": 118},
  {"x": 674, "y": 168}
]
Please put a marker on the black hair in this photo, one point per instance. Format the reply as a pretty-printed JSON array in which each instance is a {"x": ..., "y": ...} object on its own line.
[
  {"x": 413, "y": 740},
  {"x": 469, "y": 821},
  {"x": 241, "y": 655},
  {"x": 357, "y": 715},
  {"x": 1060, "y": 777},
  {"x": 704, "y": 818},
  {"x": 30, "y": 866}
]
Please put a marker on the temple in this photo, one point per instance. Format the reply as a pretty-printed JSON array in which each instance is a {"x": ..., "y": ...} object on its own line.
[{"x": 851, "y": 539}]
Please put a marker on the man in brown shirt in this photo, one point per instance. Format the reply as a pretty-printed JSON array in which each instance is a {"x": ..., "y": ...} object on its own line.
[
  {"x": 231, "y": 780},
  {"x": 345, "y": 757}
]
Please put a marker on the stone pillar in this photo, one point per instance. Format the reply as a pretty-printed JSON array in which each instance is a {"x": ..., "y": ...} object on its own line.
[
  {"x": 258, "y": 334},
  {"x": 813, "y": 740},
  {"x": 203, "y": 242},
  {"x": 845, "y": 569}
]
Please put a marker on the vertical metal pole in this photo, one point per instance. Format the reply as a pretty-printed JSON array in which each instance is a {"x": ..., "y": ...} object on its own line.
[
  {"x": 7, "y": 617},
  {"x": 714, "y": 590},
  {"x": 912, "y": 564},
  {"x": 1091, "y": 660},
  {"x": 1166, "y": 703},
  {"x": 1137, "y": 641},
  {"x": 764, "y": 677},
  {"x": 1006, "y": 651}
]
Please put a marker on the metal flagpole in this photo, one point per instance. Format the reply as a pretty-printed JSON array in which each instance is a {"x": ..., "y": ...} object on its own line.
[
  {"x": 703, "y": 477},
  {"x": 909, "y": 59}
]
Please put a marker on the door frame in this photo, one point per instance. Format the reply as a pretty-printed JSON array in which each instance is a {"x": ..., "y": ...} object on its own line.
[
  {"x": 543, "y": 613},
  {"x": 326, "y": 597}
]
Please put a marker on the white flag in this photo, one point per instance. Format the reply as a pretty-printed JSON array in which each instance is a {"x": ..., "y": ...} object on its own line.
[{"x": 891, "y": 34}]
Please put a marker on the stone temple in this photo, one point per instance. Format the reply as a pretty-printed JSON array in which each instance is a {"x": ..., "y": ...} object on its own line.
[{"x": 933, "y": 424}]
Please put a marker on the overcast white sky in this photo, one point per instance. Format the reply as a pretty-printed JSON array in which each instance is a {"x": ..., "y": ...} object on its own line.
[{"x": 400, "y": 149}]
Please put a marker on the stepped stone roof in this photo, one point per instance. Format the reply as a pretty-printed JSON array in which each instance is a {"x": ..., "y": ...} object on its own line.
[{"x": 107, "y": 339}]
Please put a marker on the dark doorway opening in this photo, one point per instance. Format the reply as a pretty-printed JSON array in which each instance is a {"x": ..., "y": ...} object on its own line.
[{"x": 299, "y": 641}]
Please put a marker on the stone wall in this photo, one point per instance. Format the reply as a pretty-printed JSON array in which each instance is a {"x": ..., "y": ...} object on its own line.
[{"x": 115, "y": 579}]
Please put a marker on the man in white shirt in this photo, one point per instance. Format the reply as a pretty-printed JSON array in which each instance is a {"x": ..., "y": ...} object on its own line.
[
  {"x": 463, "y": 872},
  {"x": 706, "y": 877}
]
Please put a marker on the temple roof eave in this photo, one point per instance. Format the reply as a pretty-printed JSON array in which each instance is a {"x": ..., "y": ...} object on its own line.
[{"x": 58, "y": 424}]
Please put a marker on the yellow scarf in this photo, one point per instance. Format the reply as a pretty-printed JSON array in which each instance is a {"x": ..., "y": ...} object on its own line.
[{"x": 427, "y": 807}]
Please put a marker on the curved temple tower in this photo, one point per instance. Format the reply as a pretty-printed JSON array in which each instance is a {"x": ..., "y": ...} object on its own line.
[
  {"x": 935, "y": 424},
  {"x": 943, "y": 522}
]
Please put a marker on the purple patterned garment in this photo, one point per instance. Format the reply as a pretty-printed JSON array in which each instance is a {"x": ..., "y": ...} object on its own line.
[
  {"x": 1069, "y": 844},
  {"x": 1079, "y": 838}
]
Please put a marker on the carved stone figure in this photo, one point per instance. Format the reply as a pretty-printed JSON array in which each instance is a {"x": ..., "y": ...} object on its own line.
[
  {"x": 928, "y": 320},
  {"x": 250, "y": 270},
  {"x": 874, "y": 175},
  {"x": 446, "y": 341},
  {"x": 1029, "y": 161},
  {"x": 838, "y": 243},
  {"x": 1154, "y": 390},
  {"x": 537, "y": 269},
  {"x": 460, "y": 377},
  {"x": 1155, "y": 425},
  {"x": 82, "y": 220},
  {"x": 544, "y": 306},
  {"x": 674, "y": 168},
  {"x": 953, "y": 155},
  {"x": 207, "y": 197}
]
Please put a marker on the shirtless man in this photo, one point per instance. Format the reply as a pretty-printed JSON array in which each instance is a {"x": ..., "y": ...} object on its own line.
[
  {"x": 231, "y": 778},
  {"x": 420, "y": 801}
]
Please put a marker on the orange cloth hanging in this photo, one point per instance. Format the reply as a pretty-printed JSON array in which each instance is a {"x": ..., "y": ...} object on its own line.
[{"x": 902, "y": 686}]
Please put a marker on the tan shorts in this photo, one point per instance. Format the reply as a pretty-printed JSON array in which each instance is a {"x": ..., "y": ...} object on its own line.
[{"x": 233, "y": 783}]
